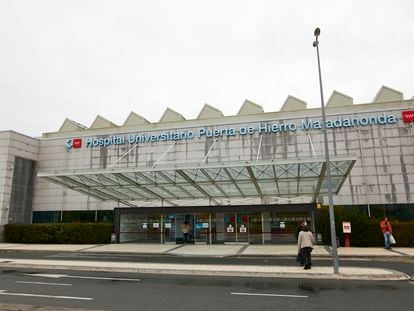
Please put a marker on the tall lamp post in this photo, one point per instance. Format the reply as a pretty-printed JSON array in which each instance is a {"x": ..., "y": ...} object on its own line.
[{"x": 317, "y": 32}]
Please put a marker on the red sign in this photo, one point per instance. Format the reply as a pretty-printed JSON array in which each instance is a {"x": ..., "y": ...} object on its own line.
[
  {"x": 408, "y": 116},
  {"x": 77, "y": 143}
]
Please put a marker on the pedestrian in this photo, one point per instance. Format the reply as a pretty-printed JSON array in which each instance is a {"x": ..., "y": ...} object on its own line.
[
  {"x": 305, "y": 246},
  {"x": 185, "y": 228},
  {"x": 299, "y": 257},
  {"x": 299, "y": 228},
  {"x": 386, "y": 230}
]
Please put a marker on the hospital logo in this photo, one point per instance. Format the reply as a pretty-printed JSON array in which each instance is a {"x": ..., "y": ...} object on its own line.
[
  {"x": 408, "y": 116},
  {"x": 73, "y": 143}
]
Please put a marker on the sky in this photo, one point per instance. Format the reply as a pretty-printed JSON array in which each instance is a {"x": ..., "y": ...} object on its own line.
[{"x": 78, "y": 59}]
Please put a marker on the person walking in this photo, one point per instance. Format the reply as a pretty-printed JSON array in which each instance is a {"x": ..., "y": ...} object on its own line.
[
  {"x": 299, "y": 257},
  {"x": 299, "y": 228},
  {"x": 386, "y": 230},
  {"x": 185, "y": 228},
  {"x": 305, "y": 246}
]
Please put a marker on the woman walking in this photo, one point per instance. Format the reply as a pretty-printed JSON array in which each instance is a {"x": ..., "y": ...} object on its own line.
[{"x": 305, "y": 246}]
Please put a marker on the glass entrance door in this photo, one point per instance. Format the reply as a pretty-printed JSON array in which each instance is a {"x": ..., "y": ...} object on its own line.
[
  {"x": 230, "y": 231},
  {"x": 169, "y": 228},
  {"x": 202, "y": 228},
  {"x": 184, "y": 228},
  {"x": 242, "y": 226},
  {"x": 255, "y": 228}
]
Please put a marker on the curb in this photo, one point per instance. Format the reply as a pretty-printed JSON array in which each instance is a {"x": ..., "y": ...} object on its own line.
[
  {"x": 324, "y": 256},
  {"x": 394, "y": 276}
]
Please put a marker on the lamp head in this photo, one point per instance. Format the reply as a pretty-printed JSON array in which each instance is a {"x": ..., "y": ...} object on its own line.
[{"x": 317, "y": 32}]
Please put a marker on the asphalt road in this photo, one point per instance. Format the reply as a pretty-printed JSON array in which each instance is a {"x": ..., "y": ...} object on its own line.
[
  {"x": 403, "y": 264},
  {"x": 126, "y": 291}
]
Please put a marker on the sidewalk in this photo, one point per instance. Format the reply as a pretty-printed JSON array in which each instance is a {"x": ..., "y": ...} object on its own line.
[
  {"x": 218, "y": 250},
  {"x": 209, "y": 250}
]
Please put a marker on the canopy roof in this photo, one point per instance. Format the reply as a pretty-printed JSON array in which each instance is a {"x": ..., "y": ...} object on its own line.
[{"x": 261, "y": 179}]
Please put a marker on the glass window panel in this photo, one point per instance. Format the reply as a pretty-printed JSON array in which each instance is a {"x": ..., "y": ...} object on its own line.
[
  {"x": 94, "y": 180},
  {"x": 128, "y": 192},
  {"x": 176, "y": 191},
  {"x": 195, "y": 175},
  {"x": 288, "y": 170},
  {"x": 263, "y": 172},
  {"x": 133, "y": 192},
  {"x": 130, "y": 176},
  {"x": 307, "y": 188},
  {"x": 160, "y": 178},
  {"x": 46, "y": 217},
  {"x": 268, "y": 188},
  {"x": 309, "y": 181},
  {"x": 229, "y": 189},
  {"x": 278, "y": 170},
  {"x": 310, "y": 169},
  {"x": 60, "y": 179},
  {"x": 239, "y": 173},
  {"x": 334, "y": 171},
  {"x": 142, "y": 193},
  {"x": 117, "y": 180},
  {"x": 145, "y": 178},
  {"x": 161, "y": 192},
  {"x": 174, "y": 176},
  {"x": 212, "y": 190},
  {"x": 105, "y": 216},
  {"x": 288, "y": 187},
  {"x": 247, "y": 188},
  {"x": 216, "y": 174},
  {"x": 335, "y": 182},
  {"x": 78, "y": 216},
  {"x": 106, "y": 179},
  {"x": 115, "y": 192},
  {"x": 342, "y": 166},
  {"x": 194, "y": 191},
  {"x": 75, "y": 180},
  {"x": 173, "y": 193},
  {"x": 141, "y": 228}
]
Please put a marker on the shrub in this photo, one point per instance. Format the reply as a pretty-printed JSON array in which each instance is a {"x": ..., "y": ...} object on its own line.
[
  {"x": 403, "y": 233},
  {"x": 71, "y": 233},
  {"x": 365, "y": 231}
]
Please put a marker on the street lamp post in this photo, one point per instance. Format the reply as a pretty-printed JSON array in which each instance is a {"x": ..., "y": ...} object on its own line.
[{"x": 327, "y": 163}]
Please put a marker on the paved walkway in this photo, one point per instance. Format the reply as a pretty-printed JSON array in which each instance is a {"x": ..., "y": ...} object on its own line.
[
  {"x": 209, "y": 250},
  {"x": 208, "y": 269}
]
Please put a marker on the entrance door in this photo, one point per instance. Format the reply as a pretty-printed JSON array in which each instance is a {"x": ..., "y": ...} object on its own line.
[
  {"x": 236, "y": 228},
  {"x": 169, "y": 228},
  {"x": 230, "y": 230},
  {"x": 202, "y": 228},
  {"x": 184, "y": 228},
  {"x": 255, "y": 228},
  {"x": 242, "y": 227}
]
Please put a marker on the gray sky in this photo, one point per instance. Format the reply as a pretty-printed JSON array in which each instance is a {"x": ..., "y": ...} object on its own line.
[{"x": 77, "y": 58}]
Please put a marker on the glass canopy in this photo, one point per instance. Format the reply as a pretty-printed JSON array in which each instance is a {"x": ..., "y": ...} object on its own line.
[{"x": 260, "y": 179}]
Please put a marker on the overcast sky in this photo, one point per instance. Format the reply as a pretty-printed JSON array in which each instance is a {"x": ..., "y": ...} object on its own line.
[{"x": 77, "y": 58}]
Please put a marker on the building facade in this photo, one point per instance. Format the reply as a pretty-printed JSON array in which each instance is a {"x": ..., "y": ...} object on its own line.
[{"x": 248, "y": 178}]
